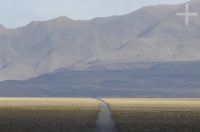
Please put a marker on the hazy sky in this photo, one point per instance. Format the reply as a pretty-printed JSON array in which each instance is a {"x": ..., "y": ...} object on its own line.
[{"x": 14, "y": 13}]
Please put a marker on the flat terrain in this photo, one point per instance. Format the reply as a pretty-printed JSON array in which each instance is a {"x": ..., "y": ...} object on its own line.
[
  {"x": 156, "y": 115},
  {"x": 89, "y": 115},
  {"x": 48, "y": 114}
]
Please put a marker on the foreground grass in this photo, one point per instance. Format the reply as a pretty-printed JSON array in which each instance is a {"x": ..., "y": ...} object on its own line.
[
  {"x": 47, "y": 114},
  {"x": 156, "y": 115}
]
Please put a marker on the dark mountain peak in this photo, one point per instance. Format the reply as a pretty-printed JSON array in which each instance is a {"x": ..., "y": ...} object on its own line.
[
  {"x": 53, "y": 22},
  {"x": 63, "y": 18},
  {"x": 33, "y": 23},
  {"x": 60, "y": 22}
]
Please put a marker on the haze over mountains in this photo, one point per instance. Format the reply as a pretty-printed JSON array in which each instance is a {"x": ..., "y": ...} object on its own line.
[
  {"x": 150, "y": 34},
  {"x": 177, "y": 80}
]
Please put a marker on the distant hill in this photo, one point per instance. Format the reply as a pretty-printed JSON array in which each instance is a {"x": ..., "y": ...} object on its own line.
[
  {"x": 150, "y": 34},
  {"x": 160, "y": 80}
]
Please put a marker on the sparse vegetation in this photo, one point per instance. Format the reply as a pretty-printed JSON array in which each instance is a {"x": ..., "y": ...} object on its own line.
[
  {"x": 47, "y": 115},
  {"x": 79, "y": 115},
  {"x": 156, "y": 115}
]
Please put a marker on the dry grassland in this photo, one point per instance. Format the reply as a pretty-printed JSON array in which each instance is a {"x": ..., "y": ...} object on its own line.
[
  {"x": 48, "y": 114},
  {"x": 156, "y": 115}
]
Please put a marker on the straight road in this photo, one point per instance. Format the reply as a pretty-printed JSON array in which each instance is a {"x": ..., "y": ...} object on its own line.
[{"x": 104, "y": 121}]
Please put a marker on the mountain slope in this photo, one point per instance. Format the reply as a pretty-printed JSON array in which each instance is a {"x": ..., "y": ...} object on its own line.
[
  {"x": 150, "y": 34},
  {"x": 169, "y": 79}
]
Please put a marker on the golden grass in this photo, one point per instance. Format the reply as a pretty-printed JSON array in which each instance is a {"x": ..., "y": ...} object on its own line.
[
  {"x": 156, "y": 104},
  {"x": 82, "y": 103},
  {"x": 80, "y": 114},
  {"x": 48, "y": 114},
  {"x": 155, "y": 115}
]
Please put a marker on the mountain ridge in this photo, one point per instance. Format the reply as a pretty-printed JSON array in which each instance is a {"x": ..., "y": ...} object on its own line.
[{"x": 149, "y": 34}]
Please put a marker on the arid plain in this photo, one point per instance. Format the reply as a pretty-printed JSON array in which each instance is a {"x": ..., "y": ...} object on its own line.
[{"x": 75, "y": 114}]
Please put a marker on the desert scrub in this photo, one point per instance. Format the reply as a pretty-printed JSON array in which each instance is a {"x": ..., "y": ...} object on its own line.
[
  {"x": 156, "y": 115},
  {"x": 48, "y": 115}
]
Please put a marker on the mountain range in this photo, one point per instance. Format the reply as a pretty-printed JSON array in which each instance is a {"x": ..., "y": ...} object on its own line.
[{"x": 148, "y": 35}]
